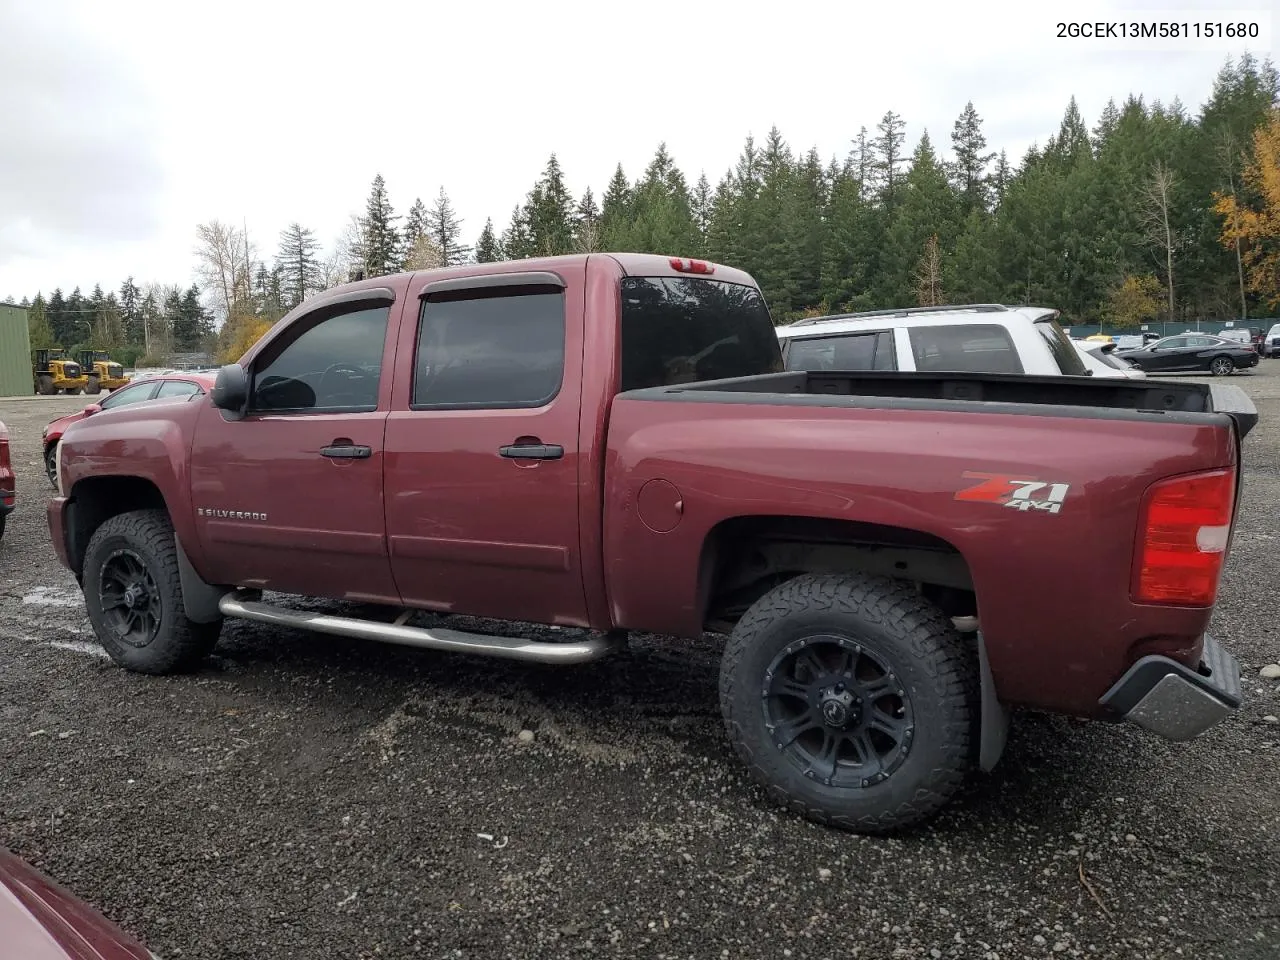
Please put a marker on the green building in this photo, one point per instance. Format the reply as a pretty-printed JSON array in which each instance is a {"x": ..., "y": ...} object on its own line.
[{"x": 15, "y": 352}]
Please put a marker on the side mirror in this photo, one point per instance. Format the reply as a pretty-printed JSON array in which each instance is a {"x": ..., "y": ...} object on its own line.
[
  {"x": 91, "y": 409},
  {"x": 231, "y": 389}
]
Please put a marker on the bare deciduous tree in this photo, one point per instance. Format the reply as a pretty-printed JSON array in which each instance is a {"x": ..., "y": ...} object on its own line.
[
  {"x": 1229, "y": 154},
  {"x": 224, "y": 263},
  {"x": 928, "y": 275},
  {"x": 1157, "y": 201}
]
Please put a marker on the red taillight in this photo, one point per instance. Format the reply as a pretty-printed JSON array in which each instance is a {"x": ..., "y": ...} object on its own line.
[
  {"x": 691, "y": 266},
  {"x": 1186, "y": 522}
]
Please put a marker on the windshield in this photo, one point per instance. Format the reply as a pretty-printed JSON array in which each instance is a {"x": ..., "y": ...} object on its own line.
[
  {"x": 682, "y": 329},
  {"x": 1059, "y": 344}
]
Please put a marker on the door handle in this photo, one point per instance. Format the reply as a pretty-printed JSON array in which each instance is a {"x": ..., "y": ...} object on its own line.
[
  {"x": 346, "y": 451},
  {"x": 532, "y": 451}
]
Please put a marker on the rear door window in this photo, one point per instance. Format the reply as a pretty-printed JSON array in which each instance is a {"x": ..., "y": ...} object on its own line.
[
  {"x": 964, "y": 348},
  {"x": 497, "y": 350},
  {"x": 872, "y": 350}
]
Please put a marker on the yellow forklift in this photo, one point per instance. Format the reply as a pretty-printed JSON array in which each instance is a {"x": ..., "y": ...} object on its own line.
[
  {"x": 103, "y": 373},
  {"x": 57, "y": 373}
]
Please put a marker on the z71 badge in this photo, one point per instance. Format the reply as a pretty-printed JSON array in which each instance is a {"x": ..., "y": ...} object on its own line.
[{"x": 1010, "y": 490}]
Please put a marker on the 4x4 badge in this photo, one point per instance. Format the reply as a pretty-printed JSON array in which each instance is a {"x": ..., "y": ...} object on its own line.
[{"x": 1011, "y": 490}]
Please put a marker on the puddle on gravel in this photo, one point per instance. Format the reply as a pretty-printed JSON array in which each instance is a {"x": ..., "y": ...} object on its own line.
[{"x": 52, "y": 597}]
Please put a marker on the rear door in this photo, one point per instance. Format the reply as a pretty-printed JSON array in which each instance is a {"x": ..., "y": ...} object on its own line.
[
  {"x": 483, "y": 454},
  {"x": 289, "y": 497}
]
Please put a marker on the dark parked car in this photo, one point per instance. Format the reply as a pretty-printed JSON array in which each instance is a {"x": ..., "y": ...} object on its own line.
[{"x": 1194, "y": 351}]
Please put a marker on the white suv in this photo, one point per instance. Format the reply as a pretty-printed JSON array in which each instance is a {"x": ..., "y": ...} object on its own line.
[{"x": 970, "y": 338}]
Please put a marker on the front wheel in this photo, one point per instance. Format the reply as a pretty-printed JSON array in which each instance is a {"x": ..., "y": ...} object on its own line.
[
  {"x": 1221, "y": 366},
  {"x": 852, "y": 701},
  {"x": 95, "y": 384},
  {"x": 51, "y": 463},
  {"x": 133, "y": 595}
]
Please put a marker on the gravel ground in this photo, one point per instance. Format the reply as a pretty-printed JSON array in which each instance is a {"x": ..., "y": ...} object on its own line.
[{"x": 310, "y": 797}]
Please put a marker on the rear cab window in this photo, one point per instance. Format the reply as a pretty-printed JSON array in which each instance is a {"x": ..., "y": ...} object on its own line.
[
  {"x": 965, "y": 348},
  {"x": 684, "y": 329}
]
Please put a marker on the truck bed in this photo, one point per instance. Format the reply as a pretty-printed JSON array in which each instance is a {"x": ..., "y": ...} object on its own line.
[{"x": 1177, "y": 401}]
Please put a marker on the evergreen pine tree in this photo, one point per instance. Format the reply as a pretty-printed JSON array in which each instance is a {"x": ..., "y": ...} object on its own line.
[
  {"x": 38, "y": 328},
  {"x": 927, "y": 208},
  {"x": 615, "y": 213},
  {"x": 969, "y": 171},
  {"x": 586, "y": 224},
  {"x": 131, "y": 312},
  {"x": 516, "y": 242},
  {"x": 661, "y": 209},
  {"x": 548, "y": 213},
  {"x": 888, "y": 156},
  {"x": 57, "y": 316},
  {"x": 444, "y": 227},
  {"x": 379, "y": 236},
  {"x": 700, "y": 205},
  {"x": 487, "y": 247},
  {"x": 415, "y": 224},
  {"x": 299, "y": 263}
]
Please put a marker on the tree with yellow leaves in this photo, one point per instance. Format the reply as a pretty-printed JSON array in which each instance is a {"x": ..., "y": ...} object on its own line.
[
  {"x": 1256, "y": 223},
  {"x": 1134, "y": 301},
  {"x": 241, "y": 332}
]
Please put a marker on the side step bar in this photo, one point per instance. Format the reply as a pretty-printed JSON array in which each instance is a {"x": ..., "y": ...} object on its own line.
[{"x": 241, "y": 604}]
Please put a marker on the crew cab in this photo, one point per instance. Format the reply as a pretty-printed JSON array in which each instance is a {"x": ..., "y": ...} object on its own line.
[
  {"x": 610, "y": 442},
  {"x": 977, "y": 338}
]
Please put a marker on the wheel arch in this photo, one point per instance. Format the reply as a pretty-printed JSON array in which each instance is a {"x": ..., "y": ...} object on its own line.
[{"x": 744, "y": 557}]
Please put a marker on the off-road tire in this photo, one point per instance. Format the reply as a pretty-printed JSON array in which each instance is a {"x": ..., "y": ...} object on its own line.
[
  {"x": 1221, "y": 366},
  {"x": 3, "y": 519},
  {"x": 44, "y": 385},
  {"x": 95, "y": 385},
  {"x": 75, "y": 391},
  {"x": 938, "y": 670},
  {"x": 179, "y": 644},
  {"x": 51, "y": 463}
]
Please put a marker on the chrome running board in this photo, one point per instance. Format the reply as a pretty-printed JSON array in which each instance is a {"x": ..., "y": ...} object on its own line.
[{"x": 242, "y": 605}]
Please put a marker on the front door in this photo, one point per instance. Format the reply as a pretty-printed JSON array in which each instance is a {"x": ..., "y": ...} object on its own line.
[
  {"x": 1169, "y": 354},
  {"x": 289, "y": 498},
  {"x": 483, "y": 456}
]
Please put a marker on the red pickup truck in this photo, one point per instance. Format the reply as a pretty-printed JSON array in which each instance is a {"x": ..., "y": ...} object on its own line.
[{"x": 610, "y": 442}]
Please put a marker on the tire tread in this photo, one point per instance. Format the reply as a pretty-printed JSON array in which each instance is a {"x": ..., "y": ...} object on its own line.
[{"x": 927, "y": 634}]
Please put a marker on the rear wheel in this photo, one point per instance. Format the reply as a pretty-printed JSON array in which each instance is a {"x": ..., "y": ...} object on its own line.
[
  {"x": 74, "y": 391},
  {"x": 1221, "y": 366},
  {"x": 95, "y": 384},
  {"x": 133, "y": 595},
  {"x": 852, "y": 700},
  {"x": 44, "y": 385}
]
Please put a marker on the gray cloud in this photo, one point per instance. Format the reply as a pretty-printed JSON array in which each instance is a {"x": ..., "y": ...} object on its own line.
[{"x": 76, "y": 165}]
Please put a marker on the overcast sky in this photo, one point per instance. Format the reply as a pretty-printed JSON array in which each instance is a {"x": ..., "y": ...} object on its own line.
[{"x": 125, "y": 124}]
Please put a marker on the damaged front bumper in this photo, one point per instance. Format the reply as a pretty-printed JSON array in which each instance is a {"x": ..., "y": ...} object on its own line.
[{"x": 1176, "y": 701}]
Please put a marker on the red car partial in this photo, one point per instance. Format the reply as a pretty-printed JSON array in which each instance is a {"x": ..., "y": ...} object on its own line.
[
  {"x": 152, "y": 388},
  {"x": 8, "y": 491},
  {"x": 41, "y": 921}
]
